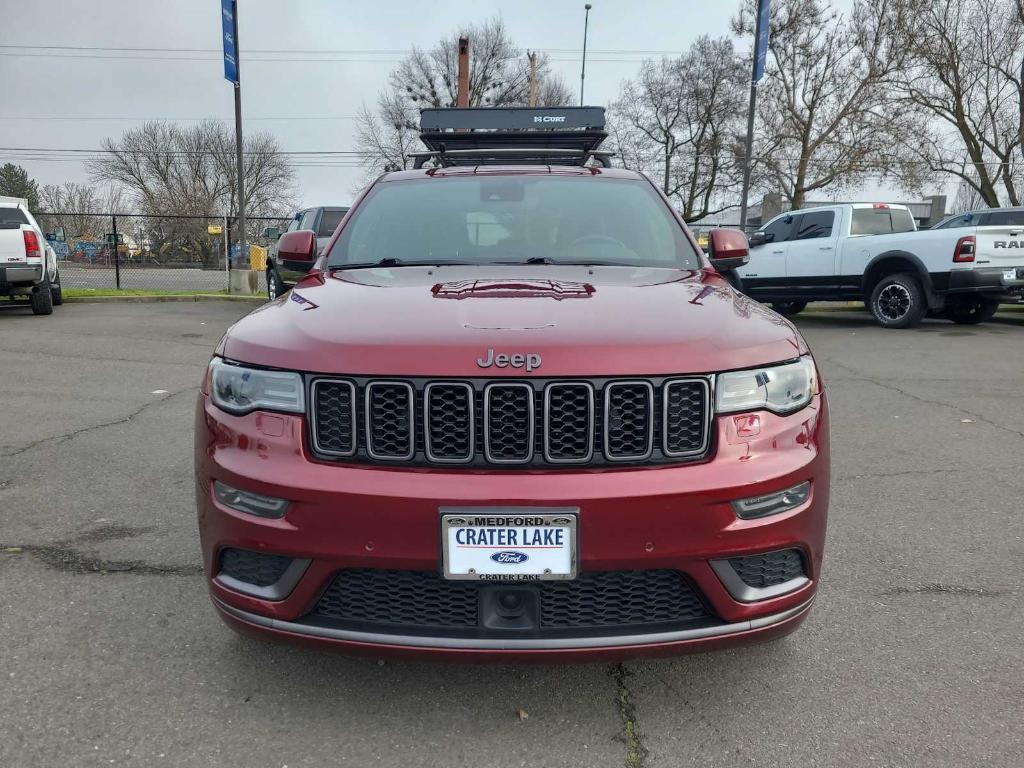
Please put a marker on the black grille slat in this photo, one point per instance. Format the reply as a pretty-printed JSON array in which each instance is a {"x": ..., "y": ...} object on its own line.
[
  {"x": 769, "y": 568},
  {"x": 629, "y": 420},
  {"x": 569, "y": 422},
  {"x": 686, "y": 406},
  {"x": 620, "y": 598},
  {"x": 509, "y": 423},
  {"x": 335, "y": 418},
  {"x": 423, "y": 601},
  {"x": 390, "y": 420},
  {"x": 449, "y": 418},
  {"x": 256, "y": 568},
  {"x": 399, "y": 598}
]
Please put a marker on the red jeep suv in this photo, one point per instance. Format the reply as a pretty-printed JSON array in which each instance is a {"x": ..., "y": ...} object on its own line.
[{"x": 513, "y": 412}]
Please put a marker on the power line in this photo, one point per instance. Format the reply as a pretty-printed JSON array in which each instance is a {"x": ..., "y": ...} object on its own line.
[{"x": 308, "y": 52}]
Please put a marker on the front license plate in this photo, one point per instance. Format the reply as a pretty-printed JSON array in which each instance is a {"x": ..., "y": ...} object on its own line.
[{"x": 508, "y": 545}]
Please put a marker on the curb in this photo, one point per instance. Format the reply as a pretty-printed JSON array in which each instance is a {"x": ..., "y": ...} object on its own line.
[{"x": 160, "y": 299}]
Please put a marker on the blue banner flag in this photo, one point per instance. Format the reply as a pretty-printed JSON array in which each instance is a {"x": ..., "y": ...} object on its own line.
[
  {"x": 227, "y": 13},
  {"x": 761, "y": 43}
]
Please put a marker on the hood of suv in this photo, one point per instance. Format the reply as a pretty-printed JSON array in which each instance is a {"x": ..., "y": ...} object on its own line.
[{"x": 450, "y": 321}]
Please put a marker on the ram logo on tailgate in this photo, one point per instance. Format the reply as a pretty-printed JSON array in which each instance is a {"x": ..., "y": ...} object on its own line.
[{"x": 1008, "y": 244}]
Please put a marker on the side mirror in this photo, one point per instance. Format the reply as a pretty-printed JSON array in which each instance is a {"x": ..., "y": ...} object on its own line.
[
  {"x": 298, "y": 246},
  {"x": 727, "y": 249},
  {"x": 760, "y": 238}
]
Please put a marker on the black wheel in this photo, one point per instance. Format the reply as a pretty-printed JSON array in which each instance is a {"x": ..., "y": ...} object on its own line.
[
  {"x": 57, "y": 291},
  {"x": 972, "y": 311},
  {"x": 274, "y": 285},
  {"x": 898, "y": 301},
  {"x": 42, "y": 298},
  {"x": 789, "y": 308}
]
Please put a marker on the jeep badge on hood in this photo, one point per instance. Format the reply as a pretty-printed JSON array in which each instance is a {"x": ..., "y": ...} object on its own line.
[{"x": 529, "y": 360}]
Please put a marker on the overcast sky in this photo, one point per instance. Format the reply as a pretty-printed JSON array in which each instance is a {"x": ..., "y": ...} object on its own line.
[{"x": 75, "y": 98}]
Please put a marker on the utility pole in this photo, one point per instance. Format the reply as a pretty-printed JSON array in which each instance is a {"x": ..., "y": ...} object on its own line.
[
  {"x": 533, "y": 78},
  {"x": 760, "y": 55},
  {"x": 583, "y": 68},
  {"x": 462, "y": 99},
  {"x": 243, "y": 251}
]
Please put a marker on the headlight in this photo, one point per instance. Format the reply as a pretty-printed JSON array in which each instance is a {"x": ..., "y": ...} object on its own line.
[
  {"x": 239, "y": 390},
  {"x": 780, "y": 388}
]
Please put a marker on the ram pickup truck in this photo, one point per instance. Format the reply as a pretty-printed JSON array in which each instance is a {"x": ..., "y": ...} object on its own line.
[
  {"x": 873, "y": 253},
  {"x": 513, "y": 412},
  {"x": 28, "y": 265},
  {"x": 281, "y": 273}
]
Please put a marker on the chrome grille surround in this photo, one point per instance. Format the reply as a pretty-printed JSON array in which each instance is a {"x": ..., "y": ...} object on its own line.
[
  {"x": 705, "y": 384},
  {"x": 511, "y": 422},
  {"x": 442, "y": 456},
  {"x": 346, "y": 392},
  {"x": 377, "y": 416},
  {"x": 609, "y": 393},
  {"x": 557, "y": 456},
  {"x": 489, "y": 439}
]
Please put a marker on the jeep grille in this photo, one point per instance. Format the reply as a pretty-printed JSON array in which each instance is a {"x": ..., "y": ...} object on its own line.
[{"x": 511, "y": 423}]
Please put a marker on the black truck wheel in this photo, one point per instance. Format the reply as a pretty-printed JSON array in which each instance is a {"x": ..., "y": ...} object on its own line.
[{"x": 898, "y": 301}]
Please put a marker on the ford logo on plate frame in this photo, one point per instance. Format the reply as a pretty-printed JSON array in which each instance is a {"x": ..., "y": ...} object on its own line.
[{"x": 510, "y": 557}]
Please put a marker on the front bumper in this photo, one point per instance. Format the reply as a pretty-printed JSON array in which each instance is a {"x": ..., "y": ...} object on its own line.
[{"x": 357, "y": 517}]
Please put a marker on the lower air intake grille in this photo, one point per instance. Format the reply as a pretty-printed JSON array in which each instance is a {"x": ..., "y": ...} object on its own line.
[
  {"x": 256, "y": 568},
  {"x": 422, "y": 601},
  {"x": 769, "y": 568}
]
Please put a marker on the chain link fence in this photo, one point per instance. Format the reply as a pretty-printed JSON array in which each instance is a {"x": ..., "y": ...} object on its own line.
[{"x": 167, "y": 253}]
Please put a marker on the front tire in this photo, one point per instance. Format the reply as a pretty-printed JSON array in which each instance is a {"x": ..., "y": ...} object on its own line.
[
  {"x": 898, "y": 301},
  {"x": 42, "y": 298},
  {"x": 789, "y": 308},
  {"x": 973, "y": 311},
  {"x": 274, "y": 285}
]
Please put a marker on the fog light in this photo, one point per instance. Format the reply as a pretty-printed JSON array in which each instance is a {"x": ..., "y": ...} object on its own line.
[
  {"x": 250, "y": 503},
  {"x": 773, "y": 503}
]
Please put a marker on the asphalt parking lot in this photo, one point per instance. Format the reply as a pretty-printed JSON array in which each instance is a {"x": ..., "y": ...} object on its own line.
[{"x": 110, "y": 653}]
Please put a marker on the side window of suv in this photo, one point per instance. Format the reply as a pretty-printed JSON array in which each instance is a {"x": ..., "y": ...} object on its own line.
[
  {"x": 814, "y": 225},
  {"x": 781, "y": 230}
]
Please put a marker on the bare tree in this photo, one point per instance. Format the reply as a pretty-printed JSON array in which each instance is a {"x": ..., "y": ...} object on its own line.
[
  {"x": 678, "y": 122},
  {"x": 964, "y": 88},
  {"x": 172, "y": 171},
  {"x": 83, "y": 210},
  {"x": 825, "y": 118},
  {"x": 499, "y": 76}
]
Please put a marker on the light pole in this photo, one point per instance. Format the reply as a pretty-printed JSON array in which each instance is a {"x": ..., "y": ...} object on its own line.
[{"x": 583, "y": 69}]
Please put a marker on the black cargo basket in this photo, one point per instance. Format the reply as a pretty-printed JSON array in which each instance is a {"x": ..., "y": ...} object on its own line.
[{"x": 512, "y": 136}]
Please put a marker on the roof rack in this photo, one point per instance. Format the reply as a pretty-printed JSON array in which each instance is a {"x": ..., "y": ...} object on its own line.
[{"x": 512, "y": 135}]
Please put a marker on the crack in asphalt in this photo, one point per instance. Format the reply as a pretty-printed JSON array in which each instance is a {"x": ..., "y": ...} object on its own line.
[
  {"x": 65, "y": 437},
  {"x": 68, "y": 560},
  {"x": 944, "y": 589},
  {"x": 860, "y": 376},
  {"x": 631, "y": 736},
  {"x": 940, "y": 471}
]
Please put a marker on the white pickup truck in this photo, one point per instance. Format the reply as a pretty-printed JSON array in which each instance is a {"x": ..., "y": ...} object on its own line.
[
  {"x": 874, "y": 253},
  {"x": 28, "y": 265}
]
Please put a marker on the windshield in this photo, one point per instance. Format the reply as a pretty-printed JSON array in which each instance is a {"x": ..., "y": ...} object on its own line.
[{"x": 514, "y": 219}]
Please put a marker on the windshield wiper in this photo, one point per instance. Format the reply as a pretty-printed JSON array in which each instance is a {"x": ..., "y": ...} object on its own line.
[{"x": 393, "y": 262}]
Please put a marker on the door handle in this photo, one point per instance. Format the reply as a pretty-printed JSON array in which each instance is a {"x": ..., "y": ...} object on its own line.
[
  {"x": 824, "y": 247},
  {"x": 779, "y": 251}
]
